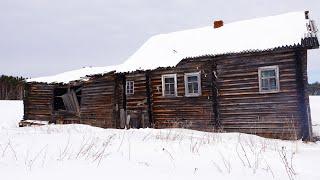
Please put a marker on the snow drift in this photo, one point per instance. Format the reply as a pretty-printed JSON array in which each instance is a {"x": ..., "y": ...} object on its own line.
[
  {"x": 82, "y": 152},
  {"x": 315, "y": 115},
  {"x": 11, "y": 112}
]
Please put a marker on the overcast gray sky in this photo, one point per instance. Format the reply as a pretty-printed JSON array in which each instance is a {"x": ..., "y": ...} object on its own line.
[{"x": 45, "y": 37}]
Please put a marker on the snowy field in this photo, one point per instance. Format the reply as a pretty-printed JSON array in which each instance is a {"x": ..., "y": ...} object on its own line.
[
  {"x": 82, "y": 152},
  {"x": 315, "y": 114}
]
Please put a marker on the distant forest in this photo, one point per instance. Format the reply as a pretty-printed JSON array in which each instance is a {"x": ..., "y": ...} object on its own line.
[
  {"x": 314, "y": 89},
  {"x": 11, "y": 88}
]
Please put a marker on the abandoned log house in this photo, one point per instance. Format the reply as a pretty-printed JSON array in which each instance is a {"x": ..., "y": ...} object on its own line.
[{"x": 247, "y": 76}]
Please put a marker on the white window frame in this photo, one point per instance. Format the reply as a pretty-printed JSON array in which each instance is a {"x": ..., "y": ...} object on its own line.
[
  {"x": 276, "y": 68},
  {"x": 186, "y": 75},
  {"x": 128, "y": 82},
  {"x": 175, "y": 85}
]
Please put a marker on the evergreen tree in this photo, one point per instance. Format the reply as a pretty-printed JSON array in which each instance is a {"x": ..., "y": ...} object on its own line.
[
  {"x": 314, "y": 89},
  {"x": 11, "y": 88}
]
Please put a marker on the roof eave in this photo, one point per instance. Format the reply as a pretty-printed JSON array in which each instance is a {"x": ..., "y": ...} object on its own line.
[{"x": 310, "y": 42}]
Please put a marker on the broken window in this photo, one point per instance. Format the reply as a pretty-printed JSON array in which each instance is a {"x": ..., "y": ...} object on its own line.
[
  {"x": 67, "y": 99},
  {"x": 58, "y": 102}
]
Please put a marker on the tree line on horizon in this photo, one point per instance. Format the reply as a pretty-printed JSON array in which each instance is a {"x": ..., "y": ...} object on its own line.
[
  {"x": 11, "y": 88},
  {"x": 314, "y": 89}
]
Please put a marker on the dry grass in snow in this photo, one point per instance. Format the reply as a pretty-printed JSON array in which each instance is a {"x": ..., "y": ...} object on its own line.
[{"x": 84, "y": 152}]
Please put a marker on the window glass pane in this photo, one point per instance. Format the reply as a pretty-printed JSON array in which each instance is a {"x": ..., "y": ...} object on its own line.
[
  {"x": 268, "y": 73},
  {"x": 195, "y": 86},
  {"x": 171, "y": 91},
  {"x": 166, "y": 89},
  {"x": 265, "y": 84},
  {"x": 190, "y": 90},
  {"x": 273, "y": 83},
  {"x": 169, "y": 80},
  {"x": 192, "y": 78}
]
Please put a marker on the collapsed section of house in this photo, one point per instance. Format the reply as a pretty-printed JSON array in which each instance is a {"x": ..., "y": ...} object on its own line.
[
  {"x": 248, "y": 76},
  {"x": 67, "y": 99}
]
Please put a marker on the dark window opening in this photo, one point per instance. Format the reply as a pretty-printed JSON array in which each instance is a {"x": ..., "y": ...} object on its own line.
[
  {"x": 58, "y": 101},
  {"x": 67, "y": 99}
]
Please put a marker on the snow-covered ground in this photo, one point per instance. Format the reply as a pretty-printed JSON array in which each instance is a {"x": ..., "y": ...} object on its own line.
[
  {"x": 11, "y": 112},
  {"x": 84, "y": 152},
  {"x": 315, "y": 114}
]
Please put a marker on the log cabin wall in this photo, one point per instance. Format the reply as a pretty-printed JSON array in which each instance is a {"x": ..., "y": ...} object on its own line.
[
  {"x": 38, "y": 102},
  {"x": 181, "y": 111},
  {"x": 230, "y": 98},
  {"x": 137, "y": 106},
  {"x": 242, "y": 108},
  {"x": 98, "y": 103}
]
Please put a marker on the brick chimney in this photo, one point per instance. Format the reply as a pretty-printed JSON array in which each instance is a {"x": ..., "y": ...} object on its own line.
[
  {"x": 217, "y": 24},
  {"x": 306, "y": 14}
]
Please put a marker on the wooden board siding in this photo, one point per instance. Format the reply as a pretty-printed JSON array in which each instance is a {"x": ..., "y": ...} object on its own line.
[
  {"x": 182, "y": 111},
  {"x": 243, "y": 109},
  {"x": 38, "y": 102},
  {"x": 137, "y": 103},
  {"x": 230, "y": 99},
  {"x": 65, "y": 118},
  {"x": 98, "y": 102}
]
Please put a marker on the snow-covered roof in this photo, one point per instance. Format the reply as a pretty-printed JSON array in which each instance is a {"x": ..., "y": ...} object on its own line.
[{"x": 169, "y": 49}]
